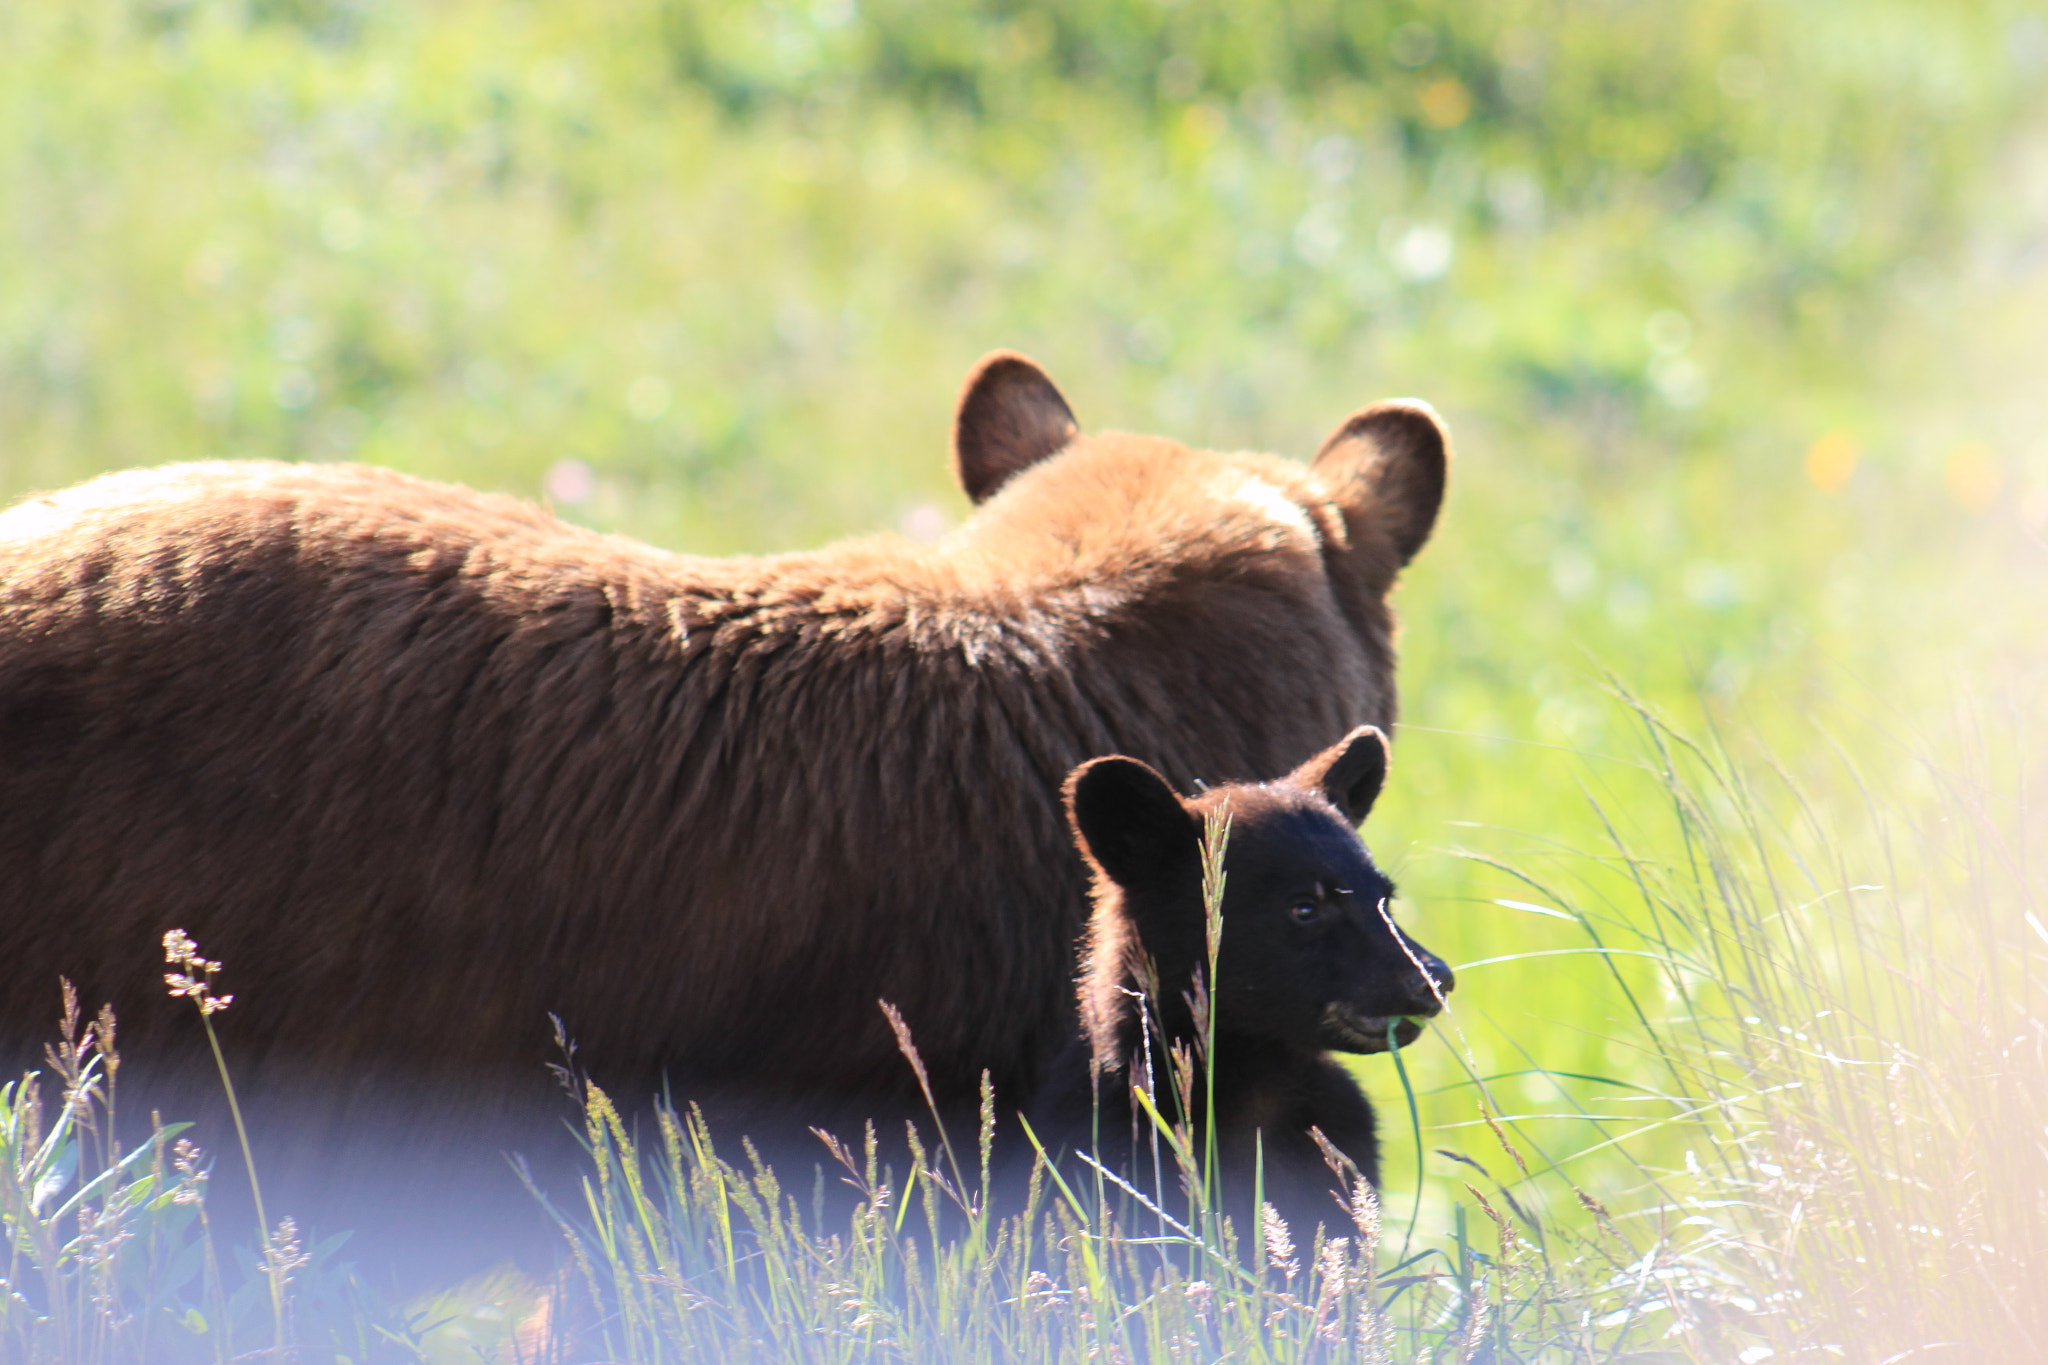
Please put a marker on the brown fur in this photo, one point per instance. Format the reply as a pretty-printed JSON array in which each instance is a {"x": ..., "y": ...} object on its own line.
[{"x": 422, "y": 765}]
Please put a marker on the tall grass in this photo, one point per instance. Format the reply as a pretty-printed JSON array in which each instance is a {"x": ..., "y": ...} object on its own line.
[
  {"x": 1846, "y": 1009},
  {"x": 109, "y": 1255},
  {"x": 96, "y": 1239},
  {"x": 1838, "y": 1011},
  {"x": 1865, "y": 1028},
  {"x": 686, "y": 1253},
  {"x": 1840, "y": 1018}
]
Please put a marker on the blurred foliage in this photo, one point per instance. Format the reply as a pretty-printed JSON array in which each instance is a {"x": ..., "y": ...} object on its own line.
[{"x": 1735, "y": 309}]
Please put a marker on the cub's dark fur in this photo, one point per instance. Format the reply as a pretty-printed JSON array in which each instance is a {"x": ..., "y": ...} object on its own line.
[{"x": 1310, "y": 962}]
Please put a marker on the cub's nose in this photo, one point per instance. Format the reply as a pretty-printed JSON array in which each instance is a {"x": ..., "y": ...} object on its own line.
[
  {"x": 1429, "y": 993},
  {"x": 1439, "y": 971}
]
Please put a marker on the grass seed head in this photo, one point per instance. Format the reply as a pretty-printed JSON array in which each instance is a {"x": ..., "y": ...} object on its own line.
[
  {"x": 195, "y": 981},
  {"x": 1279, "y": 1246}
]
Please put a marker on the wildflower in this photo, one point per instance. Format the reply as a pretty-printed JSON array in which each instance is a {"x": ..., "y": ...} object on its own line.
[
  {"x": 195, "y": 982},
  {"x": 189, "y": 1161},
  {"x": 282, "y": 1252}
]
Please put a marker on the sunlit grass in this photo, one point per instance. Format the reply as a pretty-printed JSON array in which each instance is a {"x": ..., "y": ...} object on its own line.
[{"x": 1854, "y": 1107}]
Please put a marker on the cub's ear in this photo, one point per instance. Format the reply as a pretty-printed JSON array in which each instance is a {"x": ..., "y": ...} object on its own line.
[
  {"x": 1388, "y": 463},
  {"x": 1349, "y": 772},
  {"x": 1010, "y": 418},
  {"x": 1128, "y": 819}
]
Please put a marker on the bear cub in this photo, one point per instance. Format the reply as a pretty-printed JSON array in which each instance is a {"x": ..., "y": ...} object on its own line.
[{"x": 1309, "y": 963}]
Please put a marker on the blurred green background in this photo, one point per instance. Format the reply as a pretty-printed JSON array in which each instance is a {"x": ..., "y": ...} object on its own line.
[{"x": 1737, "y": 311}]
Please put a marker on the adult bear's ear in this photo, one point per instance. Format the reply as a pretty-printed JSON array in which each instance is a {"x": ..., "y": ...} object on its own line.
[
  {"x": 1350, "y": 772},
  {"x": 1010, "y": 418},
  {"x": 1387, "y": 464},
  {"x": 1128, "y": 820}
]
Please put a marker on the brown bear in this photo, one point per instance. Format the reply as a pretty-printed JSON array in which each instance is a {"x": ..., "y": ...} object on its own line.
[
  {"x": 1308, "y": 961},
  {"x": 424, "y": 766}
]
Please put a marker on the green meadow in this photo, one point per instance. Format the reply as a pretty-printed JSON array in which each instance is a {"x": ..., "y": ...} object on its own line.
[{"x": 1722, "y": 742}]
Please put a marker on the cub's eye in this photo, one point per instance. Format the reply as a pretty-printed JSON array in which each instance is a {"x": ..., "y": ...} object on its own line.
[{"x": 1304, "y": 911}]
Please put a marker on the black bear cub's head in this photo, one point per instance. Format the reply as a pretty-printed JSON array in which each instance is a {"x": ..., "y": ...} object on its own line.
[{"x": 1310, "y": 957}]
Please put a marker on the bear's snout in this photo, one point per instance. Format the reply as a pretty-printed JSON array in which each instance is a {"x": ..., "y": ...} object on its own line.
[{"x": 1437, "y": 980}]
